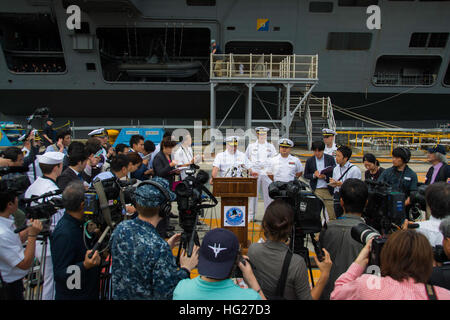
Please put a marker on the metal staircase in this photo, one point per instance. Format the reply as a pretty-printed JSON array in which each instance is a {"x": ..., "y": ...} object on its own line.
[{"x": 313, "y": 115}]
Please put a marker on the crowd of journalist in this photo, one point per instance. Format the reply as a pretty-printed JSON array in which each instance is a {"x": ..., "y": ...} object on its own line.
[{"x": 137, "y": 255}]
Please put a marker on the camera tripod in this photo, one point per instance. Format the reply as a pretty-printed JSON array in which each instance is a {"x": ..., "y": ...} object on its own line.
[
  {"x": 297, "y": 245},
  {"x": 189, "y": 238},
  {"x": 36, "y": 276}
]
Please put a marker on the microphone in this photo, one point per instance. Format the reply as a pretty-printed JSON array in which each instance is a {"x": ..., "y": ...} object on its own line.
[{"x": 45, "y": 195}]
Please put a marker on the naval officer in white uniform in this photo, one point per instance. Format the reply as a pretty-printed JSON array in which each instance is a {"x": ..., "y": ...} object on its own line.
[
  {"x": 260, "y": 153},
  {"x": 231, "y": 162},
  {"x": 328, "y": 139},
  {"x": 51, "y": 166},
  {"x": 285, "y": 167}
]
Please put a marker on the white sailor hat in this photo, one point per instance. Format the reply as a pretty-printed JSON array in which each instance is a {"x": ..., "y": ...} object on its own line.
[
  {"x": 285, "y": 142},
  {"x": 232, "y": 141},
  {"x": 328, "y": 132},
  {"x": 98, "y": 133},
  {"x": 262, "y": 130},
  {"x": 51, "y": 157}
]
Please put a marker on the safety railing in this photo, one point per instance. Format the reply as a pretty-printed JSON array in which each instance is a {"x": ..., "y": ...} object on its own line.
[
  {"x": 253, "y": 66},
  {"x": 308, "y": 125},
  {"x": 387, "y": 141},
  {"x": 330, "y": 115}
]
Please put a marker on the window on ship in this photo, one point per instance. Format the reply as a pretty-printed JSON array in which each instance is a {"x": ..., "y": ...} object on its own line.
[
  {"x": 406, "y": 70},
  {"x": 31, "y": 43}
]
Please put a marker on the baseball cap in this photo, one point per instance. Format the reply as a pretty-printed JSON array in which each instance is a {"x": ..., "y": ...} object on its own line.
[
  {"x": 218, "y": 253},
  {"x": 149, "y": 196},
  {"x": 437, "y": 148}
]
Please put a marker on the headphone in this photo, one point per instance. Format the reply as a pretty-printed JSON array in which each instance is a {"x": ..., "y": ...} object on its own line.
[
  {"x": 407, "y": 154},
  {"x": 165, "y": 208}
]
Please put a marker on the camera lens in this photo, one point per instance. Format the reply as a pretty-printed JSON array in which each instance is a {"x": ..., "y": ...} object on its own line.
[{"x": 363, "y": 233}]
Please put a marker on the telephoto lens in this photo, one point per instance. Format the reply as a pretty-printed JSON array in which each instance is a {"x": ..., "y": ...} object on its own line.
[{"x": 363, "y": 233}]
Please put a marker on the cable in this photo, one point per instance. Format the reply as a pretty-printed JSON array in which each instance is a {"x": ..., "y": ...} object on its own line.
[{"x": 386, "y": 99}]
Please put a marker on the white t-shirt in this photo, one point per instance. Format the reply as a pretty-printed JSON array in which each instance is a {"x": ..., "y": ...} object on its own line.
[
  {"x": 430, "y": 229},
  {"x": 11, "y": 251},
  {"x": 225, "y": 161},
  {"x": 331, "y": 151},
  {"x": 183, "y": 155},
  {"x": 338, "y": 171},
  {"x": 285, "y": 169},
  {"x": 320, "y": 164},
  {"x": 259, "y": 155}
]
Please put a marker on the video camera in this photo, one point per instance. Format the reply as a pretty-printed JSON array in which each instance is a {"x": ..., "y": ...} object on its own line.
[
  {"x": 190, "y": 200},
  {"x": 307, "y": 206},
  {"x": 42, "y": 210},
  {"x": 307, "y": 213},
  {"x": 15, "y": 183},
  {"x": 418, "y": 201},
  {"x": 384, "y": 206},
  {"x": 190, "y": 197},
  {"x": 104, "y": 202}
]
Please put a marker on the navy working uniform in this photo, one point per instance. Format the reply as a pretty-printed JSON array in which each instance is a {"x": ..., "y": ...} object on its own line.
[
  {"x": 403, "y": 181},
  {"x": 143, "y": 266}
]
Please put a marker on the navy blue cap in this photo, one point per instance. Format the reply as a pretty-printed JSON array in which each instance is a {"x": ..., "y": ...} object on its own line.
[
  {"x": 437, "y": 148},
  {"x": 150, "y": 196},
  {"x": 218, "y": 254}
]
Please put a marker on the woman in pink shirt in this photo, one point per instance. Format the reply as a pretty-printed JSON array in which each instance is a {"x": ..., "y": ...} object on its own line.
[{"x": 406, "y": 266}]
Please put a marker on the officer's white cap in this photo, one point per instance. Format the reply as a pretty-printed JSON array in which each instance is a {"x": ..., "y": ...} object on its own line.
[
  {"x": 261, "y": 130},
  {"x": 213, "y": 40},
  {"x": 328, "y": 132},
  {"x": 285, "y": 142},
  {"x": 232, "y": 139},
  {"x": 51, "y": 157},
  {"x": 97, "y": 132}
]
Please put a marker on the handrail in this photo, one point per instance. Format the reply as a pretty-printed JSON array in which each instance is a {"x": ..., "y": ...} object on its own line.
[
  {"x": 308, "y": 125},
  {"x": 330, "y": 115},
  {"x": 260, "y": 66}
]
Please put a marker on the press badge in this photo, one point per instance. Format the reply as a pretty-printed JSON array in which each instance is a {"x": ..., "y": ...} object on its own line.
[{"x": 408, "y": 178}]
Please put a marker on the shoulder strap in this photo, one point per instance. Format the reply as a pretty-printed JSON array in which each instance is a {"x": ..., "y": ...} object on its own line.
[
  {"x": 430, "y": 292},
  {"x": 345, "y": 172},
  {"x": 283, "y": 277}
]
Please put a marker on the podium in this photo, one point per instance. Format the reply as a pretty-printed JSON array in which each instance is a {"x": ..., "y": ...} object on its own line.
[{"x": 234, "y": 193}]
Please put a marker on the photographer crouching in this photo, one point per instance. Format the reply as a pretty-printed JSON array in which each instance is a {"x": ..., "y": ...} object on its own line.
[
  {"x": 69, "y": 253},
  {"x": 143, "y": 266},
  {"x": 14, "y": 259}
]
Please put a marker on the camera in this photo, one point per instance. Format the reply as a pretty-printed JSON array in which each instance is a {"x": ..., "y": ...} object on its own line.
[
  {"x": 15, "y": 182},
  {"x": 307, "y": 206},
  {"x": 190, "y": 197},
  {"x": 384, "y": 206},
  {"x": 363, "y": 233},
  {"x": 44, "y": 209},
  {"x": 439, "y": 254},
  {"x": 190, "y": 200},
  {"x": 104, "y": 202},
  {"x": 418, "y": 202},
  {"x": 307, "y": 213}
]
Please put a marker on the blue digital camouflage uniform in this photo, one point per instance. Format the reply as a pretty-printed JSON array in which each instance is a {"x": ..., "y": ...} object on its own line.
[{"x": 143, "y": 266}]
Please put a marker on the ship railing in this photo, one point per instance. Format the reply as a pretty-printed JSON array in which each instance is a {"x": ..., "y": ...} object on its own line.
[
  {"x": 263, "y": 66},
  {"x": 397, "y": 79},
  {"x": 308, "y": 125},
  {"x": 330, "y": 115}
]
